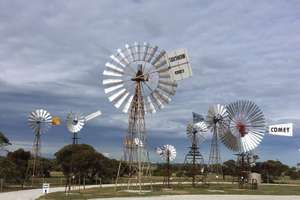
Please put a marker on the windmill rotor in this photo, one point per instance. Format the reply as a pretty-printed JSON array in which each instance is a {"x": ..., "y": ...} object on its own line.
[
  {"x": 166, "y": 152},
  {"x": 217, "y": 118},
  {"x": 40, "y": 121},
  {"x": 197, "y": 130},
  {"x": 140, "y": 63},
  {"x": 246, "y": 126},
  {"x": 75, "y": 122}
]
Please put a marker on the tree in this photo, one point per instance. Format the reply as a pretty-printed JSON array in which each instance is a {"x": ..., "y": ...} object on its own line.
[
  {"x": 8, "y": 169},
  {"x": 81, "y": 160},
  {"x": 20, "y": 159},
  {"x": 229, "y": 168},
  {"x": 4, "y": 141},
  {"x": 270, "y": 170}
]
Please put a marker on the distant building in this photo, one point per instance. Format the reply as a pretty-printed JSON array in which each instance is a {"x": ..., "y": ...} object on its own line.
[{"x": 255, "y": 178}]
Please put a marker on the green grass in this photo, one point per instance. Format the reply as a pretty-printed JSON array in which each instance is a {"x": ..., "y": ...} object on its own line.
[{"x": 177, "y": 190}]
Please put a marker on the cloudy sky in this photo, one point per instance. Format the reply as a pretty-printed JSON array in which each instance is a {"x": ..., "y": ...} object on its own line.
[{"x": 52, "y": 54}]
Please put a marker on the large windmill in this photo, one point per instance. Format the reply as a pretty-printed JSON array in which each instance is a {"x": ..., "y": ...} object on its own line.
[
  {"x": 167, "y": 153},
  {"x": 141, "y": 79},
  {"x": 246, "y": 130},
  {"x": 40, "y": 121},
  {"x": 217, "y": 122},
  {"x": 76, "y": 121},
  {"x": 194, "y": 162}
]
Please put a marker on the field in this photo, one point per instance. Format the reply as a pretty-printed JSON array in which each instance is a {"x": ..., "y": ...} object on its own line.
[{"x": 176, "y": 190}]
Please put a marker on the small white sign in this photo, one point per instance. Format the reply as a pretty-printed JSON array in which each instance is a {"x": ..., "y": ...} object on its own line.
[
  {"x": 281, "y": 129},
  {"x": 46, "y": 188},
  {"x": 179, "y": 65}
]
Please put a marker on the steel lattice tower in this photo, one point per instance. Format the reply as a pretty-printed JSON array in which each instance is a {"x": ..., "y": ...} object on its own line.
[
  {"x": 194, "y": 162},
  {"x": 214, "y": 162}
]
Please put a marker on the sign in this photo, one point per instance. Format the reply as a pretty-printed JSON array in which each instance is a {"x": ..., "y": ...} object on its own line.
[
  {"x": 281, "y": 129},
  {"x": 179, "y": 65},
  {"x": 46, "y": 188}
]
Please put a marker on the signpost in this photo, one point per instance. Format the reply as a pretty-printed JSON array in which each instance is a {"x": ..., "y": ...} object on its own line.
[
  {"x": 46, "y": 188},
  {"x": 179, "y": 64}
]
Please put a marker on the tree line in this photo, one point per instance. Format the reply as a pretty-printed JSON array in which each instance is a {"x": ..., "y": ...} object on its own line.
[{"x": 82, "y": 161}]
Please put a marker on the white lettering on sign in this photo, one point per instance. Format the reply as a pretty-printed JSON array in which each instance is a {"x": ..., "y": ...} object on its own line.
[{"x": 281, "y": 129}]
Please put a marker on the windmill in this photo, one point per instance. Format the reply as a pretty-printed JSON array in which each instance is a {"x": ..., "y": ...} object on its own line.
[
  {"x": 194, "y": 162},
  {"x": 168, "y": 153},
  {"x": 217, "y": 122},
  {"x": 246, "y": 130},
  {"x": 141, "y": 79},
  {"x": 40, "y": 121},
  {"x": 76, "y": 121}
]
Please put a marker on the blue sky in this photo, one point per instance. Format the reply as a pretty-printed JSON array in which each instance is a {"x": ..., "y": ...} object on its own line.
[{"x": 52, "y": 54}]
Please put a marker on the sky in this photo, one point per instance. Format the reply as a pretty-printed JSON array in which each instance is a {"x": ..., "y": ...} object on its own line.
[{"x": 52, "y": 55}]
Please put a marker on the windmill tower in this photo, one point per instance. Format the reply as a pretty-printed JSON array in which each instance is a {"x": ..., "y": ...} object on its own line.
[
  {"x": 246, "y": 130},
  {"x": 40, "y": 121},
  {"x": 194, "y": 162},
  {"x": 168, "y": 153},
  {"x": 76, "y": 121},
  {"x": 217, "y": 121},
  {"x": 141, "y": 79}
]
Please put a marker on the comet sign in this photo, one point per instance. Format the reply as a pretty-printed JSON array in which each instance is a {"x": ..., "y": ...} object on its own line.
[{"x": 281, "y": 129}]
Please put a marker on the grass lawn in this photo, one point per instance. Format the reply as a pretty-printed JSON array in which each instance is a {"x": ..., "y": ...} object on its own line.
[{"x": 178, "y": 190}]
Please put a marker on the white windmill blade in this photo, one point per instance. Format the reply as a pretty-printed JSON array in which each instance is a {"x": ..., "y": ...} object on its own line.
[{"x": 92, "y": 115}]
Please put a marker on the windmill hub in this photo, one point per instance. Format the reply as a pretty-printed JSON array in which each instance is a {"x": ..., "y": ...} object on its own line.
[
  {"x": 217, "y": 118},
  {"x": 75, "y": 121},
  {"x": 242, "y": 128},
  {"x": 140, "y": 76}
]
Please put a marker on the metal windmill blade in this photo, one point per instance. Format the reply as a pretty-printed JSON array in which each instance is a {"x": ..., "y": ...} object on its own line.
[
  {"x": 75, "y": 122},
  {"x": 40, "y": 121},
  {"x": 246, "y": 126},
  {"x": 199, "y": 129},
  {"x": 166, "y": 151},
  {"x": 143, "y": 63},
  {"x": 217, "y": 118}
]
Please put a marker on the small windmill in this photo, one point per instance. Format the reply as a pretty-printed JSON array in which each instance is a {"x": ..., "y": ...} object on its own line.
[
  {"x": 246, "y": 130},
  {"x": 194, "y": 162},
  {"x": 217, "y": 122},
  {"x": 76, "y": 121},
  {"x": 141, "y": 79},
  {"x": 40, "y": 121},
  {"x": 168, "y": 153}
]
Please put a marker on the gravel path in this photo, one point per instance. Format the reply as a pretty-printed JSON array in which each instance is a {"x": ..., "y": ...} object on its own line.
[
  {"x": 32, "y": 194},
  {"x": 211, "y": 197}
]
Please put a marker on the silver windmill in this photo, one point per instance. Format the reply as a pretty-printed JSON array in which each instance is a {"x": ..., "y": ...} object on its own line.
[
  {"x": 39, "y": 121},
  {"x": 140, "y": 79},
  {"x": 217, "y": 122},
  {"x": 76, "y": 121}
]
